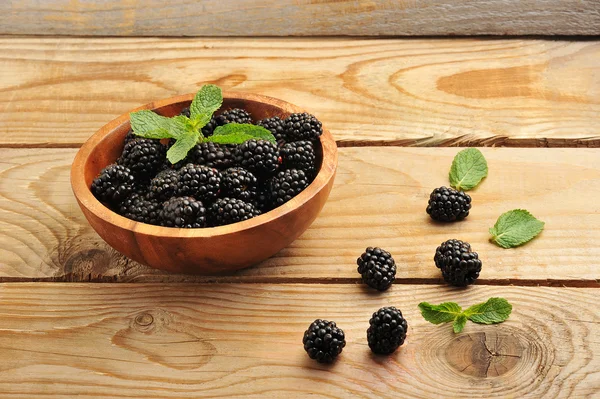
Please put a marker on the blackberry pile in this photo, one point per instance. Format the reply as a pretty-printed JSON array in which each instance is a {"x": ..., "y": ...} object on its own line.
[{"x": 216, "y": 184}]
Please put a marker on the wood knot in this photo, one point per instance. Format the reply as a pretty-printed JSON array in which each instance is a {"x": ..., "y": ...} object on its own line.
[
  {"x": 144, "y": 319},
  {"x": 484, "y": 354},
  {"x": 166, "y": 338}
]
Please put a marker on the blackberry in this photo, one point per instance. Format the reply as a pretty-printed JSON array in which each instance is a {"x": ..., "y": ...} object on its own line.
[
  {"x": 377, "y": 268},
  {"x": 262, "y": 200},
  {"x": 114, "y": 184},
  {"x": 164, "y": 185},
  {"x": 323, "y": 341},
  {"x": 302, "y": 127},
  {"x": 260, "y": 157},
  {"x": 387, "y": 330},
  {"x": 144, "y": 157},
  {"x": 276, "y": 126},
  {"x": 230, "y": 210},
  {"x": 299, "y": 155},
  {"x": 459, "y": 265},
  {"x": 198, "y": 181},
  {"x": 239, "y": 183},
  {"x": 183, "y": 212},
  {"x": 209, "y": 128},
  {"x": 286, "y": 185},
  {"x": 219, "y": 156},
  {"x": 235, "y": 115},
  {"x": 141, "y": 208},
  {"x": 185, "y": 112},
  {"x": 130, "y": 136},
  {"x": 448, "y": 205}
]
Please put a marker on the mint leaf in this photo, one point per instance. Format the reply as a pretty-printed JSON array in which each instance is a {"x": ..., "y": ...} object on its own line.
[
  {"x": 237, "y": 133},
  {"x": 150, "y": 125},
  {"x": 468, "y": 168},
  {"x": 442, "y": 313},
  {"x": 495, "y": 310},
  {"x": 182, "y": 146},
  {"x": 515, "y": 228},
  {"x": 459, "y": 323},
  {"x": 208, "y": 99}
]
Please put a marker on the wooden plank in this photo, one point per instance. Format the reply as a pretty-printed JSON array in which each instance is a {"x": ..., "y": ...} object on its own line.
[
  {"x": 378, "y": 199},
  {"x": 425, "y": 92},
  {"x": 301, "y": 18},
  {"x": 244, "y": 340}
]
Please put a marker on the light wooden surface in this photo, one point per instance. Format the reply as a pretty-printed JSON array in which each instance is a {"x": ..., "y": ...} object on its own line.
[
  {"x": 244, "y": 340},
  {"x": 426, "y": 92},
  {"x": 379, "y": 199},
  {"x": 300, "y": 17}
]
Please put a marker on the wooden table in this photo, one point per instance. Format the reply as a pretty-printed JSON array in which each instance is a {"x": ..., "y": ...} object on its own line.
[{"x": 77, "y": 318}]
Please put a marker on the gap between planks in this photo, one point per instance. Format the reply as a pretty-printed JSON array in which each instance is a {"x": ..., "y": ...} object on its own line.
[
  {"x": 463, "y": 141},
  {"x": 192, "y": 279}
]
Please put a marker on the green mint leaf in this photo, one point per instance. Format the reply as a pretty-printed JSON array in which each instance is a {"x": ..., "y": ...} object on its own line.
[
  {"x": 182, "y": 146},
  {"x": 237, "y": 133},
  {"x": 468, "y": 168},
  {"x": 495, "y": 310},
  {"x": 515, "y": 228},
  {"x": 150, "y": 125},
  {"x": 459, "y": 323},
  {"x": 442, "y": 313},
  {"x": 208, "y": 99}
]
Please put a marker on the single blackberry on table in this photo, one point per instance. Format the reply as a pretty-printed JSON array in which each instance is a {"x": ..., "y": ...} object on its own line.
[
  {"x": 144, "y": 157},
  {"x": 164, "y": 185},
  {"x": 114, "y": 184},
  {"x": 286, "y": 185},
  {"x": 387, "y": 330},
  {"x": 230, "y": 210},
  {"x": 324, "y": 341},
  {"x": 239, "y": 183},
  {"x": 299, "y": 155},
  {"x": 448, "y": 205},
  {"x": 377, "y": 268},
  {"x": 459, "y": 265},
  {"x": 141, "y": 208},
  {"x": 198, "y": 181},
  {"x": 276, "y": 126},
  {"x": 260, "y": 157},
  {"x": 302, "y": 126},
  {"x": 183, "y": 212},
  {"x": 235, "y": 115}
]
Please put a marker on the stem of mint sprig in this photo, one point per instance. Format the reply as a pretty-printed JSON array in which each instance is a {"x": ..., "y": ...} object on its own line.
[{"x": 187, "y": 132}]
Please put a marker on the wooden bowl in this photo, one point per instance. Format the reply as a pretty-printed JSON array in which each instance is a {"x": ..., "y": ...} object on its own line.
[{"x": 209, "y": 250}]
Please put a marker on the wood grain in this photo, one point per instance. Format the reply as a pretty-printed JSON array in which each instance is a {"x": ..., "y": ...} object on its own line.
[
  {"x": 300, "y": 17},
  {"x": 425, "y": 92},
  {"x": 244, "y": 340},
  {"x": 379, "y": 199}
]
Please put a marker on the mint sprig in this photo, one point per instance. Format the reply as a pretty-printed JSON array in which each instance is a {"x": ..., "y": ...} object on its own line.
[
  {"x": 187, "y": 132},
  {"x": 468, "y": 168},
  {"x": 494, "y": 310},
  {"x": 515, "y": 228}
]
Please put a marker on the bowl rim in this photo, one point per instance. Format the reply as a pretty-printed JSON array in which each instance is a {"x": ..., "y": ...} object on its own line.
[{"x": 86, "y": 199}]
